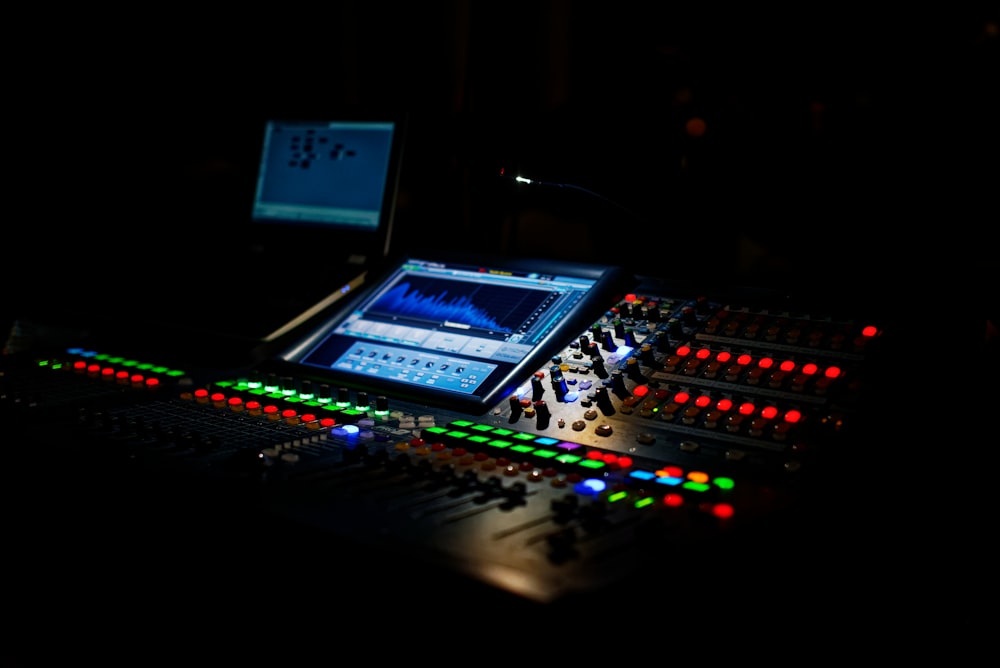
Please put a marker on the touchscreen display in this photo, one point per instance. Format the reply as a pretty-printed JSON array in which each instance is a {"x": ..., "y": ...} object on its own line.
[{"x": 458, "y": 331}]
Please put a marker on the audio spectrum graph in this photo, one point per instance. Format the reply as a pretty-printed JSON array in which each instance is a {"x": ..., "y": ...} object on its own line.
[
  {"x": 459, "y": 303},
  {"x": 421, "y": 322}
]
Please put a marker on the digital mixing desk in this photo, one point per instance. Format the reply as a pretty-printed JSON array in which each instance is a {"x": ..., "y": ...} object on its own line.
[{"x": 543, "y": 430}]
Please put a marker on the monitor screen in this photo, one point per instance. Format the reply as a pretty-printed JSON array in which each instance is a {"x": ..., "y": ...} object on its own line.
[
  {"x": 330, "y": 174},
  {"x": 457, "y": 332}
]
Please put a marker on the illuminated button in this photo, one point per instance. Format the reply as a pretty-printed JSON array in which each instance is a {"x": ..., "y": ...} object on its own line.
[
  {"x": 349, "y": 430},
  {"x": 590, "y": 487},
  {"x": 722, "y": 510}
]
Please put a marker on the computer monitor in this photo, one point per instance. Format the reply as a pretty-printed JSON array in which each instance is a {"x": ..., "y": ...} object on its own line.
[
  {"x": 458, "y": 332},
  {"x": 338, "y": 175}
]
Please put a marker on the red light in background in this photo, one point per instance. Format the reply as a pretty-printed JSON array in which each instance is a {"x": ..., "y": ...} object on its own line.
[
  {"x": 673, "y": 500},
  {"x": 723, "y": 511},
  {"x": 670, "y": 472}
]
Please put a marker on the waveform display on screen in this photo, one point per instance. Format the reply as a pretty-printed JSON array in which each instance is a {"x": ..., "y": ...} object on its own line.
[{"x": 502, "y": 309}]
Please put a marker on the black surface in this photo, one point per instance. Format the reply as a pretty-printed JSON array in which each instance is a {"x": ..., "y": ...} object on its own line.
[{"x": 881, "y": 194}]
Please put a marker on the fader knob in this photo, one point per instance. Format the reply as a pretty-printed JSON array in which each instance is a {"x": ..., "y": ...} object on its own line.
[
  {"x": 537, "y": 390},
  {"x": 306, "y": 388},
  {"x": 603, "y": 400}
]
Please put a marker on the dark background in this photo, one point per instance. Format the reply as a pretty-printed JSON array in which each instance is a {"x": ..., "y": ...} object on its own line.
[
  {"x": 846, "y": 150},
  {"x": 849, "y": 153}
]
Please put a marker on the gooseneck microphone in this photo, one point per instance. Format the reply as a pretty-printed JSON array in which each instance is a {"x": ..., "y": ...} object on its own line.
[{"x": 586, "y": 191}]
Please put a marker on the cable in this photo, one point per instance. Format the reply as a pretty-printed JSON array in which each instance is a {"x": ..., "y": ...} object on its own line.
[{"x": 587, "y": 191}]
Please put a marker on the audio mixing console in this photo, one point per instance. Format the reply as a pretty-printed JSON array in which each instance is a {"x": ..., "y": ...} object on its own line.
[{"x": 631, "y": 424}]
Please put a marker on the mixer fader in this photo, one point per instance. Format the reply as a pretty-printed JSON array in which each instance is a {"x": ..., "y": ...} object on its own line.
[{"x": 623, "y": 424}]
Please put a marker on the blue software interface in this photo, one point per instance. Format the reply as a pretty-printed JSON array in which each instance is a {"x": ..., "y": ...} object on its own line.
[{"x": 448, "y": 327}]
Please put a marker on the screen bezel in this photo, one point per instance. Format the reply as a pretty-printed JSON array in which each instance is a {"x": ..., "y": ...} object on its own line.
[{"x": 609, "y": 283}]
